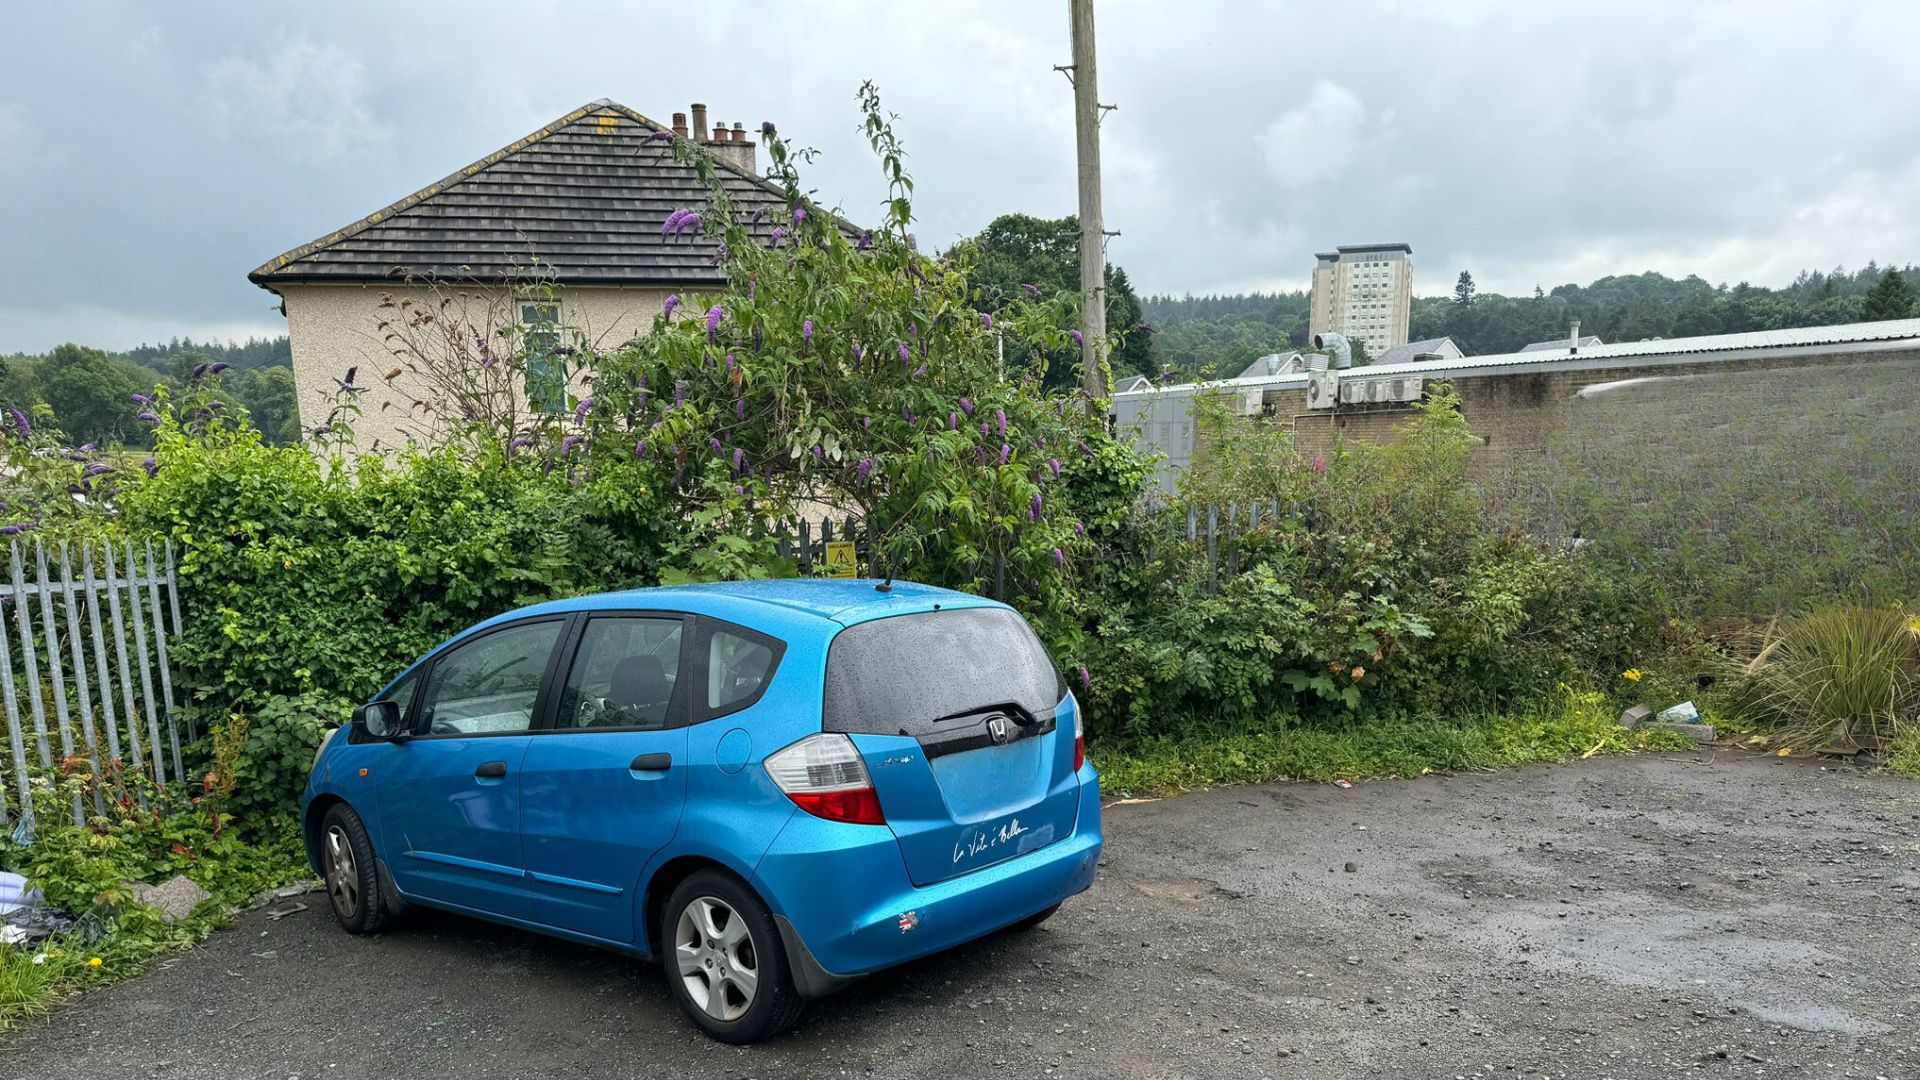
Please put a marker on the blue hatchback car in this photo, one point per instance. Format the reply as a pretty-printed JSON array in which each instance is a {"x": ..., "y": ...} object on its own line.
[{"x": 773, "y": 787}]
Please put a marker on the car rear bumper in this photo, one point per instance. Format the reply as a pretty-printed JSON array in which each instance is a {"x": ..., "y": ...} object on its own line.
[{"x": 842, "y": 894}]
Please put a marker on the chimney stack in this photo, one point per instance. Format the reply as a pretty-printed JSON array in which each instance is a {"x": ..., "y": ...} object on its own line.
[
  {"x": 680, "y": 124},
  {"x": 732, "y": 147},
  {"x": 699, "y": 122},
  {"x": 1573, "y": 342}
]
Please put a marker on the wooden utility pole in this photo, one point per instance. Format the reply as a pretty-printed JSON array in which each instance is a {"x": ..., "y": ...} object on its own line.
[{"x": 1093, "y": 256}]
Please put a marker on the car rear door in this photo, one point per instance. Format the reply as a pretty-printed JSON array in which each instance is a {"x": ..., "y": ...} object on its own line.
[
  {"x": 449, "y": 796},
  {"x": 967, "y": 732},
  {"x": 604, "y": 782}
]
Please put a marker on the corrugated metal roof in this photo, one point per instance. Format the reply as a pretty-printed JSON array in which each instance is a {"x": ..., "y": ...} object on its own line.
[
  {"x": 1560, "y": 343},
  {"x": 584, "y": 198},
  {"x": 1406, "y": 351},
  {"x": 1847, "y": 337}
]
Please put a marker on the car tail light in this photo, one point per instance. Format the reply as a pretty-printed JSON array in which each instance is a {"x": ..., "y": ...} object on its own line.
[
  {"x": 1079, "y": 739},
  {"x": 824, "y": 776}
]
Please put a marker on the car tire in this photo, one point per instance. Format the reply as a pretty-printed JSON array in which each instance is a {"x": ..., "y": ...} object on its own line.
[
  {"x": 713, "y": 931},
  {"x": 1034, "y": 919},
  {"x": 349, "y": 872}
]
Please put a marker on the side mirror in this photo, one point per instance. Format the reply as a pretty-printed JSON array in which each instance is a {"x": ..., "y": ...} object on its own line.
[{"x": 380, "y": 721}]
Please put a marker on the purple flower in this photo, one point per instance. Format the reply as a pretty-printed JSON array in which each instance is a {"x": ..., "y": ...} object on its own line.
[
  {"x": 986, "y": 320},
  {"x": 1006, "y": 452},
  {"x": 739, "y": 459},
  {"x": 985, "y": 430},
  {"x": 907, "y": 412},
  {"x": 152, "y": 466},
  {"x": 920, "y": 372},
  {"x": 729, "y": 365},
  {"x": 1060, "y": 557},
  {"x": 520, "y": 443},
  {"x": 866, "y": 467},
  {"x": 26, "y": 429},
  {"x": 661, "y": 136},
  {"x": 581, "y": 410},
  {"x": 799, "y": 215},
  {"x": 865, "y": 243},
  {"x": 199, "y": 370},
  {"x": 866, "y": 423},
  {"x": 1079, "y": 530},
  {"x": 15, "y": 530},
  {"x": 806, "y": 333},
  {"x": 567, "y": 444},
  {"x": 147, "y": 416},
  {"x": 672, "y": 302},
  {"x": 858, "y": 352},
  {"x": 779, "y": 234},
  {"x": 98, "y": 468},
  {"x": 1085, "y": 449},
  {"x": 1077, "y": 339},
  {"x": 740, "y": 408},
  {"x": 679, "y": 392},
  {"x": 1032, "y": 290},
  {"x": 142, "y": 399},
  {"x": 966, "y": 405},
  {"x": 1086, "y": 678},
  {"x": 759, "y": 216},
  {"x": 1054, "y": 464},
  {"x": 714, "y": 315},
  {"x": 639, "y": 449},
  {"x": 715, "y": 443},
  {"x": 1033, "y": 508},
  {"x": 218, "y": 368},
  {"x": 953, "y": 421},
  {"x": 672, "y": 225},
  {"x": 692, "y": 223},
  {"x": 819, "y": 455},
  {"x": 1000, "y": 420},
  {"x": 906, "y": 357}
]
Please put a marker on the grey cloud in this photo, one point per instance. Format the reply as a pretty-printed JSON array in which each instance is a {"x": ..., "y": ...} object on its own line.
[{"x": 150, "y": 155}]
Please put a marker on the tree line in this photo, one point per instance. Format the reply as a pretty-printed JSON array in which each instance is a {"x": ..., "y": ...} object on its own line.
[
  {"x": 1217, "y": 336},
  {"x": 88, "y": 393}
]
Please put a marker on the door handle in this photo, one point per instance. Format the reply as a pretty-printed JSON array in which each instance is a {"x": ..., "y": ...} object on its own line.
[
  {"x": 651, "y": 762},
  {"x": 491, "y": 770}
]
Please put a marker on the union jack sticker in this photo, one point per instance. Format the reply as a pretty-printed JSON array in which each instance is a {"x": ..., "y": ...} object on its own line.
[{"x": 909, "y": 920}]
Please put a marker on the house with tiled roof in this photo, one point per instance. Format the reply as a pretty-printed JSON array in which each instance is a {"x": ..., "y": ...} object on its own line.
[{"x": 560, "y": 229}]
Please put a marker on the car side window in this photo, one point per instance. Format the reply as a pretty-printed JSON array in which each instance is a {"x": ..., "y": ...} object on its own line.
[
  {"x": 623, "y": 674},
  {"x": 489, "y": 686},
  {"x": 738, "y": 668}
]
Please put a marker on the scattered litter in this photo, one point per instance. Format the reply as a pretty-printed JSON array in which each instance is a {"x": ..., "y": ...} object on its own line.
[
  {"x": 298, "y": 888},
  {"x": 1683, "y": 713},
  {"x": 291, "y": 909},
  {"x": 15, "y": 895},
  {"x": 28, "y": 918},
  {"x": 1343, "y": 783}
]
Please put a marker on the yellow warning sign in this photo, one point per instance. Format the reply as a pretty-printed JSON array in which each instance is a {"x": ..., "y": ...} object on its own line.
[{"x": 840, "y": 559}]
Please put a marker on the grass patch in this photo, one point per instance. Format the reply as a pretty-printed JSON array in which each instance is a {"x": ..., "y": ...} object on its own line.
[
  {"x": 71, "y": 863},
  {"x": 1577, "y": 727}
]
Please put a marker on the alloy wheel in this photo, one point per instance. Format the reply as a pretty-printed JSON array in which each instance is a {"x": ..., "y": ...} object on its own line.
[
  {"x": 716, "y": 958},
  {"x": 343, "y": 873}
]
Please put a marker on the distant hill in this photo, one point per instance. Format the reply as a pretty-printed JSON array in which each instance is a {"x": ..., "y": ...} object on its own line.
[{"x": 1213, "y": 336}]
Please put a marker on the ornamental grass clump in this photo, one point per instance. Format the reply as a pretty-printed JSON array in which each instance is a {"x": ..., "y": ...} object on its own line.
[{"x": 1844, "y": 677}]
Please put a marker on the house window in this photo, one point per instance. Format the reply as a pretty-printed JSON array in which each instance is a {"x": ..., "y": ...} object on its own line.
[{"x": 546, "y": 367}]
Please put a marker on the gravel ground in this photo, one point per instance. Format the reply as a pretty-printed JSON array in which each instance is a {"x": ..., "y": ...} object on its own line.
[{"x": 1707, "y": 914}]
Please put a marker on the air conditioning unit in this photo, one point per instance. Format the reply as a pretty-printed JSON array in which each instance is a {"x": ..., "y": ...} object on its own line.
[{"x": 1322, "y": 389}]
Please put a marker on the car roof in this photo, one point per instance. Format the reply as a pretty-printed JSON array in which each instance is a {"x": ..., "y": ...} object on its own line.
[{"x": 789, "y": 605}]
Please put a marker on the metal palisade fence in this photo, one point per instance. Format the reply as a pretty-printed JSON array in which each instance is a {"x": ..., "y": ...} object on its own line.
[{"x": 84, "y": 667}]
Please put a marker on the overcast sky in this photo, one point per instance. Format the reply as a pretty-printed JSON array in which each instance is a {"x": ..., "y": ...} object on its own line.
[{"x": 151, "y": 154}]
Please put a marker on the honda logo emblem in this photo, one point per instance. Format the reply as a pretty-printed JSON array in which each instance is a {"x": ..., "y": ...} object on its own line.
[{"x": 1000, "y": 731}]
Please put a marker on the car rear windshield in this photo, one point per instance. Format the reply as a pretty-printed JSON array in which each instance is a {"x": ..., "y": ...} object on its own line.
[{"x": 900, "y": 675}]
